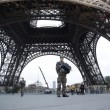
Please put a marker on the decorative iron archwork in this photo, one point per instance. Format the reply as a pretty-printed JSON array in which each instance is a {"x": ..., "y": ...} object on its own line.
[{"x": 83, "y": 22}]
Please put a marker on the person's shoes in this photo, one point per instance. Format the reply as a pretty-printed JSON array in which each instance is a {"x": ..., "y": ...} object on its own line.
[
  {"x": 58, "y": 96},
  {"x": 65, "y": 95}
]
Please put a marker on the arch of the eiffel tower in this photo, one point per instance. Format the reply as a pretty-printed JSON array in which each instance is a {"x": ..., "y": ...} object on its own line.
[{"x": 21, "y": 41}]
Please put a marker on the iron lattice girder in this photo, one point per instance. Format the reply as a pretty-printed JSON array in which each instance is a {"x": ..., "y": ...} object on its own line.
[
  {"x": 7, "y": 45},
  {"x": 47, "y": 49},
  {"x": 41, "y": 49},
  {"x": 72, "y": 39},
  {"x": 10, "y": 67},
  {"x": 61, "y": 49},
  {"x": 24, "y": 12},
  {"x": 88, "y": 56},
  {"x": 100, "y": 4}
]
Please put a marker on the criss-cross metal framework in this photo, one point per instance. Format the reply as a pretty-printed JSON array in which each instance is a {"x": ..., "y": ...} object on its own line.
[{"x": 21, "y": 41}]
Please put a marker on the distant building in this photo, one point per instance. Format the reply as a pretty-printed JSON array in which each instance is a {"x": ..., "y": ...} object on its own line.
[{"x": 54, "y": 85}]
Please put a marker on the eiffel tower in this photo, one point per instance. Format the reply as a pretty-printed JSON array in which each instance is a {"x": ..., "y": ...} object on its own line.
[{"x": 83, "y": 22}]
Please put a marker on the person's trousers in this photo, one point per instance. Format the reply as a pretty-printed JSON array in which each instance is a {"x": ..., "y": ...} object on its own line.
[{"x": 61, "y": 81}]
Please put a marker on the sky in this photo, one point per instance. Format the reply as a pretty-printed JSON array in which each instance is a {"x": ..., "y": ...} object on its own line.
[{"x": 32, "y": 74}]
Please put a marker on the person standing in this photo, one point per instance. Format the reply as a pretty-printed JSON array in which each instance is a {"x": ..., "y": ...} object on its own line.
[
  {"x": 62, "y": 69},
  {"x": 22, "y": 86},
  {"x": 82, "y": 88}
]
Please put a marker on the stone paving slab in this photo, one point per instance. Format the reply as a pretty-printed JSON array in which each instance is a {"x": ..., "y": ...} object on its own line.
[{"x": 51, "y": 102}]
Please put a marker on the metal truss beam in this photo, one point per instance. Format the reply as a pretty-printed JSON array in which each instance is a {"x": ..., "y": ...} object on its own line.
[
  {"x": 98, "y": 22},
  {"x": 84, "y": 21},
  {"x": 88, "y": 56},
  {"x": 100, "y": 4}
]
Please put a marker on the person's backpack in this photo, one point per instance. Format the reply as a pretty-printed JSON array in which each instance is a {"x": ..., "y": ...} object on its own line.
[{"x": 66, "y": 67}]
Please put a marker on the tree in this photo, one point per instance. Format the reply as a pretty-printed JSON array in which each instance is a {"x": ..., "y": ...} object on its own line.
[{"x": 107, "y": 79}]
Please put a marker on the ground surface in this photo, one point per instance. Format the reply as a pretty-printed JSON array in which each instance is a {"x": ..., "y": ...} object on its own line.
[{"x": 51, "y": 102}]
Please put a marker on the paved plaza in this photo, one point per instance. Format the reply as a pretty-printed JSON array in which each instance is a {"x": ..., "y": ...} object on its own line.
[{"x": 51, "y": 102}]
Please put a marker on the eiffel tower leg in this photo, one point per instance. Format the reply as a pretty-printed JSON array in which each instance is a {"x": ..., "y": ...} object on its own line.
[
  {"x": 18, "y": 65},
  {"x": 79, "y": 64},
  {"x": 87, "y": 57},
  {"x": 7, "y": 45}
]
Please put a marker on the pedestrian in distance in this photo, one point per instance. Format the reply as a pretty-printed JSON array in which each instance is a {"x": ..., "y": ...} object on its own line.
[{"x": 22, "y": 86}]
